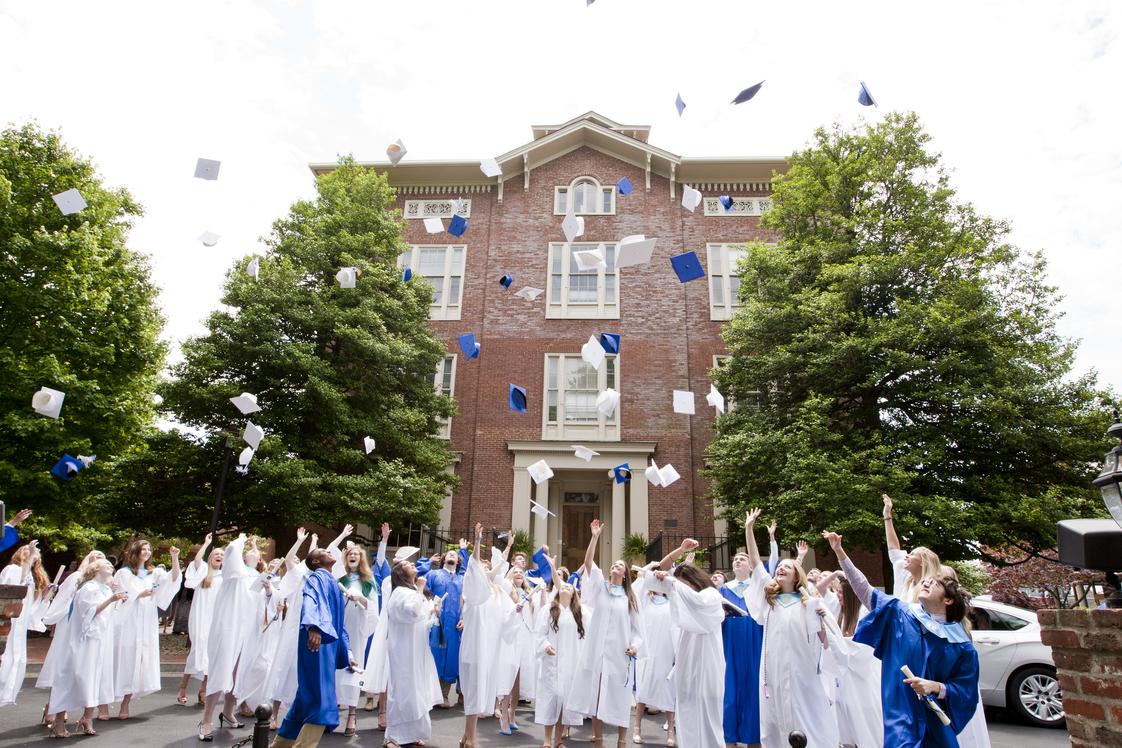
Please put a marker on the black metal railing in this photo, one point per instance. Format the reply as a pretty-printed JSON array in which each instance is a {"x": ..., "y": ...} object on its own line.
[
  {"x": 438, "y": 539},
  {"x": 714, "y": 551}
]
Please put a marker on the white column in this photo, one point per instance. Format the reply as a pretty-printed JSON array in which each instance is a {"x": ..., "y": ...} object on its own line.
[
  {"x": 617, "y": 524},
  {"x": 541, "y": 525},
  {"x": 639, "y": 516},
  {"x": 520, "y": 504}
]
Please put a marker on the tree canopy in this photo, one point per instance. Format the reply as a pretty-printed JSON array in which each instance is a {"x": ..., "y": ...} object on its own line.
[
  {"x": 892, "y": 341},
  {"x": 78, "y": 314},
  {"x": 329, "y": 366}
]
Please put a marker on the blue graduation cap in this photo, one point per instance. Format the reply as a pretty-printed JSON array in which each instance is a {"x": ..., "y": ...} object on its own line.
[
  {"x": 679, "y": 105},
  {"x": 726, "y": 202},
  {"x": 747, "y": 93},
  {"x": 458, "y": 225},
  {"x": 406, "y": 274},
  {"x": 517, "y": 398},
  {"x": 624, "y": 186},
  {"x": 66, "y": 468},
  {"x": 506, "y": 280},
  {"x": 609, "y": 341},
  {"x": 687, "y": 266},
  {"x": 469, "y": 345},
  {"x": 543, "y": 572},
  {"x": 622, "y": 473},
  {"x": 865, "y": 98}
]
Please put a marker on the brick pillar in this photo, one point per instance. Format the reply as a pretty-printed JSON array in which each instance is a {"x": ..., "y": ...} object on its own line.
[{"x": 1087, "y": 648}]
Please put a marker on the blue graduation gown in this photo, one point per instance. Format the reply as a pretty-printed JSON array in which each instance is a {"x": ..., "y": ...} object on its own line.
[
  {"x": 444, "y": 640},
  {"x": 743, "y": 639},
  {"x": 904, "y": 634},
  {"x": 315, "y": 701},
  {"x": 11, "y": 537}
]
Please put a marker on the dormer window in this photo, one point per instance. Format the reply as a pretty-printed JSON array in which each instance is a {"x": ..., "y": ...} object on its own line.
[{"x": 588, "y": 196}]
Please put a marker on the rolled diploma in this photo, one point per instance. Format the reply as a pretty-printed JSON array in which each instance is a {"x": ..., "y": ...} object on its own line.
[{"x": 931, "y": 704}]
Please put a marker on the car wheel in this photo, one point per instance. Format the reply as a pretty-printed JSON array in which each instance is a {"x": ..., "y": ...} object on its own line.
[{"x": 1034, "y": 694}]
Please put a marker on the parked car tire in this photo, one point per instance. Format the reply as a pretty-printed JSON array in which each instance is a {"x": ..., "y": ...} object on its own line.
[{"x": 1034, "y": 695}]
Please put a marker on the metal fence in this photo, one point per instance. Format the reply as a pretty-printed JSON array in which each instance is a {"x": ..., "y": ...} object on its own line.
[
  {"x": 715, "y": 552},
  {"x": 439, "y": 539}
]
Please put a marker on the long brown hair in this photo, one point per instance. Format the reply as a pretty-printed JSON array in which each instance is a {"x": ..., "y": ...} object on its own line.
[
  {"x": 772, "y": 588},
  {"x": 42, "y": 581},
  {"x": 850, "y": 609},
  {"x": 574, "y": 608},
  {"x": 130, "y": 559},
  {"x": 632, "y": 603},
  {"x": 693, "y": 576},
  {"x": 399, "y": 577}
]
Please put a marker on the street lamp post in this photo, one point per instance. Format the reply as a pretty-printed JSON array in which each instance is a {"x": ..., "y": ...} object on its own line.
[
  {"x": 1109, "y": 481},
  {"x": 230, "y": 446}
]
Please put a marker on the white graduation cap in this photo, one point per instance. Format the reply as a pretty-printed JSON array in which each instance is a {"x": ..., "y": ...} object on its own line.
[
  {"x": 490, "y": 167},
  {"x": 584, "y": 453},
  {"x": 209, "y": 238},
  {"x": 540, "y": 471},
  {"x": 691, "y": 198},
  {"x": 607, "y": 401},
  {"x": 253, "y": 434},
  {"x": 529, "y": 293},
  {"x": 683, "y": 402},
  {"x": 206, "y": 168},
  {"x": 457, "y": 205},
  {"x": 593, "y": 353},
  {"x": 70, "y": 201},
  {"x": 634, "y": 250},
  {"x": 48, "y": 402},
  {"x": 253, "y": 268},
  {"x": 346, "y": 277},
  {"x": 368, "y": 444},
  {"x": 157, "y": 398},
  {"x": 86, "y": 460},
  {"x": 573, "y": 226},
  {"x": 246, "y": 403},
  {"x": 543, "y": 512},
  {"x": 590, "y": 259},
  {"x": 652, "y": 474},
  {"x": 405, "y": 552},
  {"x": 667, "y": 474},
  {"x": 395, "y": 152},
  {"x": 434, "y": 225},
  {"x": 715, "y": 398},
  {"x": 245, "y": 456}
]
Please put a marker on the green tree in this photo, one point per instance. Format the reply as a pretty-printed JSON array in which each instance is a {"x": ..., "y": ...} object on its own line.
[
  {"x": 329, "y": 366},
  {"x": 77, "y": 314},
  {"x": 893, "y": 341}
]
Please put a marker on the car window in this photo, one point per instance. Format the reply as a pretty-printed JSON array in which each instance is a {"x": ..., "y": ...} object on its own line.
[{"x": 984, "y": 619}]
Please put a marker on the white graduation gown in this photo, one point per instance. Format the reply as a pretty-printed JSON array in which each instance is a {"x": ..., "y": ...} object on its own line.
[
  {"x": 136, "y": 638},
  {"x": 481, "y": 611},
  {"x": 13, "y": 663},
  {"x": 508, "y": 658},
  {"x": 377, "y": 676},
  {"x": 855, "y": 674},
  {"x": 56, "y": 615},
  {"x": 235, "y": 619},
  {"x": 699, "y": 677},
  {"x": 85, "y": 676},
  {"x": 201, "y": 616},
  {"x": 604, "y": 667},
  {"x": 660, "y": 634},
  {"x": 414, "y": 688},
  {"x": 251, "y": 683},
  {"x": 791, "y": 693},
  {"x": 360, "y": 623},
  {"x": 281, "y": 681}
]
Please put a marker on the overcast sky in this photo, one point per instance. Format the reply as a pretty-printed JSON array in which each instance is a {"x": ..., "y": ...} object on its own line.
[{"x": 1023, "y": 101}]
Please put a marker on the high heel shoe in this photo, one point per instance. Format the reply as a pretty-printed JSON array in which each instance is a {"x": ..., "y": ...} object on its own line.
[
  {"x": 87, "y": 727},
  {"x": 206, "y": 737},
  {"x": 223, "y": 719}
]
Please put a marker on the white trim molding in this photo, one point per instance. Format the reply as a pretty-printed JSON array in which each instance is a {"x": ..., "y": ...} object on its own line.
[
  {"x": 741, "y": 206},
  {"x": 435, "y": 208}
]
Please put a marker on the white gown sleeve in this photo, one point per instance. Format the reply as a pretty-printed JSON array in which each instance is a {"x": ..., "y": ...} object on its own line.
[
  {"x": 194, "y": 574},
  {"x": 167, "y": 589},
  {"x": 754, "y": 597},
  {"x": 697, "y": 612},
  {"x": 899, "y": 573}
]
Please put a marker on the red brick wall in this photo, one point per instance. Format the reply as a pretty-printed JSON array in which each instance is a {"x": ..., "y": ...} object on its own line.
[
  {"x": 1087, "y": 647},
  {"x": 668, "y": 340}
]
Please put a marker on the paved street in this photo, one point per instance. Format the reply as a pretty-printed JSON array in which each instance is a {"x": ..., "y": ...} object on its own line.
[{"x": 158, "y": 722}]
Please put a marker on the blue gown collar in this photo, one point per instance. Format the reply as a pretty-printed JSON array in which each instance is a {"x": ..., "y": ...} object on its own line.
[{"x": 952, "y": 632}]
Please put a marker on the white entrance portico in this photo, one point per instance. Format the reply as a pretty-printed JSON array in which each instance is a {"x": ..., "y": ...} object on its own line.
[{"x": 578, "y": 492}]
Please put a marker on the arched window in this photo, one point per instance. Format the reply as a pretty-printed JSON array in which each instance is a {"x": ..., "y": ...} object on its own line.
[{"x": 589, "y": 198}]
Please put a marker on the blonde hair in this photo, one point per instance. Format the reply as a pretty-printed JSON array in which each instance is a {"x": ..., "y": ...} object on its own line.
[
  {"x": 525, "y": 584},
  {"x": 89, "y": 571},
  {"x": 209, "y": 579},
  {"x": 365, "y": 573},
  {"x": 930, "y": 566},
  {"x": 772, "y": 589},
  {"x": 42, "y": 581}
]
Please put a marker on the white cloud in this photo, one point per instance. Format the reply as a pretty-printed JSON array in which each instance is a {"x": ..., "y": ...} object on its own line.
[{"x": 1022, "y": 105}]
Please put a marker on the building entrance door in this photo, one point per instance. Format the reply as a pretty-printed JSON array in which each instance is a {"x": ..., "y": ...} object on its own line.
[{"x": 577, "y": 512}]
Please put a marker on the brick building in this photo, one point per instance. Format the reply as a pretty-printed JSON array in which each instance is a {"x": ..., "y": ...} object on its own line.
[{"x": 669, "y": 331}]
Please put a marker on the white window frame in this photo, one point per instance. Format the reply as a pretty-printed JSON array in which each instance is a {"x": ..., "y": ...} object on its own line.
[
  {"x": 421, "y": 209},
  {"x": 717, "y": 257},
  {"x": 561, "y": 198},
  {"x": 563, "y": 307},
  {"x": 604, "y": 429},
  {"x": 730, "y": 402},
  {"x": 444, "y": 430},
  {"x": 448, "y": 308}
]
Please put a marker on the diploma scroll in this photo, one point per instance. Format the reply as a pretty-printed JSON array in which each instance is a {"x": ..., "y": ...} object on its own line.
[{"x": 929, "y": 699}]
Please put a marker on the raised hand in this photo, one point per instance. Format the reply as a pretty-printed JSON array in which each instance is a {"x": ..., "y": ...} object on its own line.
[
  {"x": 174, "y": 553},
  {"x": 208, "y": 539},
  {"x": 772, "y": 528},
  {"x": 20, "y": 516},
  {"x": 689, "y": 544},
  {"x": 802, "y": 549},
  {"x": 478, "y": 531},
  {"x": 385, "y": 531},
  {"x": 887, "y": 513},
  {"x": 833, "y": 539},
  {"x": 751, "y": 517},
  {"x": 301, "y": 533},
  {"x": 597, "y": 528},
  {"x": 347, "y": 530},
  {"x": 420, "y": 584}
]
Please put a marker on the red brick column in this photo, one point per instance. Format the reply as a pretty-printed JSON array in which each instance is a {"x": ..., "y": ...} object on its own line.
[{"x": 1087, "y": 648}]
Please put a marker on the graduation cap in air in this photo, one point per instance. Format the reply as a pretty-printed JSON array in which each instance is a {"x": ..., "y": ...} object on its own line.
[
  {"x": 48, "y": 402},
  {"x": 572, "y": 225},
  {"x": 253, "y": 434},
  {"x": 622, "y": 473},
  {"x": 516, "y": 397},
  {"x": 529, "y": 293},
  {"x": 405, "y": 552},
  {"x": 246, "y": 455},
  {"x": 609, "y": 341},
  {"x": 542, "y": 511},
  {"x": 715, "y": 398},
  {"x": 679, "y": 105},
  {"x": 506, "y": 280},
  {"x": 246, "y": 403},
  {"x": 458, "y": 225},
  {"x": 584, "y": 453},
  {"x": 539, "y": 558},
  {"x": 864, "y": 98},
  {"x": 624, "y": 186},
  {"x": 683, "y": 402},
  {"x": 691, "y": 198},
  {"x": 592, "y": 353},
  {"x": 540, "y": 472},
  {"x": 661, "y": 476},
  {"x": 209, "y": 238},
  {"x": 253, "y": 269},
  {"x": 607, "y": 401},
  {"x": 395, "y": 152},
  {"x": 368, "y": 444},
  {"x": 687, "y": 266},
  {"x": 726, "y": 202},
  {"x": 590, "y": 259},
  {"x": 406, "y": 274},
  {"x": 70, "y": 201},
  {"x": 490, "y": 167},
  {"x": 469, "y": 345},
  {"x": 747, "y": 93},
  {"x": 206, "y": 168},
  {"x": 634, "y": 250},
  {"x": 434, "y": 225},
  {"x": 67, "y": 467},
  {"x": 346, "y": 277}
]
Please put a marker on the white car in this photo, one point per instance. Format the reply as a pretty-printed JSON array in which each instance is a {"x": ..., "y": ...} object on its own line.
[{"x": 1017, "y": 671}]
